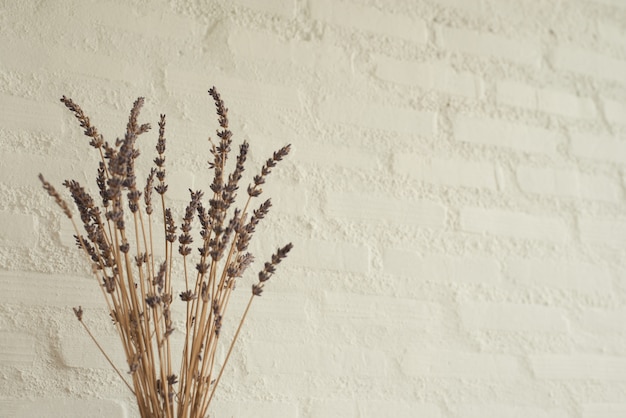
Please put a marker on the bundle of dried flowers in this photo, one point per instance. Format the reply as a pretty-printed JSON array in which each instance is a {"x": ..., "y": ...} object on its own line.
[{"x": 139, "y": 287}]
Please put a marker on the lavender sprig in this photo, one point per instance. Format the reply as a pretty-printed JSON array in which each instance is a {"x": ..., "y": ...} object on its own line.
[{"x": 139, "y": 294}]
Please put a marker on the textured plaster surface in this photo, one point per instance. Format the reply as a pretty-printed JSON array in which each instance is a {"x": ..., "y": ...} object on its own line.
[{"x": 455, "y": 195}]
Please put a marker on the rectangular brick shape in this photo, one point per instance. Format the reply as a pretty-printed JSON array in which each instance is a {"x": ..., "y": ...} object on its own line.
[
  {"x": 601, "y": 231},
  {"x": 77, "y": 350},
  {"x": 375, "y": 116},
  {"x": 54, "y": 169},
  {"x": 314, "y": 358},
  {"x": 18, "y": 230},
  {"x": 62, "y": 291},
  {"x": 17, "y": 349},
  {"x": 358, "y": 207},
  {"x": 369, "y": 19},
  {"x": 318, "y": 155},
  {"x": 284, "y": 8},
  {"x": 66, "y": 408},
  {"x": 400, "y": 409},
  {"x": 369, "y": 308},
  {"x": 440, "y": 267},
  {"x": 598, "y": 147},
  {"x": 613, "y": 3},
  {"x": 330, "y": 256},
  {"x": 598, "y": 367},
  {"x": 511, "y": 411},
  {"x": 513, "y": 317},
  {"x": 567, "y": 183},
  {"x": 604, "y": 410},
  {"x": 560, "y": 274},
  {"x": 500, "y": 133},
  {"x": 251, "y": 409},
  {"x": 491, "y": 46},
  {"x": 590, "y": 63},
  {"x": 451, "y": 172},
  {"x": 436, "y": 76},
  {"x": 566, "y": 104},
  {"x": 545, "y": 100},
  {"x": 80, "y": 64},
  {"x": 449, "y": 364},
  {"x": 513, "y": 224},
  {"x": 375, "y": 322},
  {"x": 604, "y": 322},
  {"x": 289, "y": 54},
  {"x": 518, "y": 94},
  {"x": 344, "y": 408},
  {"x": 16, "y": 113},
  {"x": 167, "y": 26}
]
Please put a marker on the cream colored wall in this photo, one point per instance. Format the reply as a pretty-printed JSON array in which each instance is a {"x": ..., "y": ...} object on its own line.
[{"x": 455, "y": 196}]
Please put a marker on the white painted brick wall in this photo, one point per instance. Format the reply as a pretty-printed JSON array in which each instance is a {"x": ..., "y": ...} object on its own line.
[
  {"x": 370, "y": 19},
  {"x": 545, "y": 100},
  {"x": 448, "y": 172},
  {"x": 567, "y": 183},
  {"x": 614, "y": 111},
  {"x": 456, "y": 197},
  {"x": 478, "y": 411},
  {"x": 612, "y": 32},
  {"x": 603, "y": 231},
  {"x": 18, "y": 230},
  {"x": 602, "y": 147},
  {"x": 294, "y": 55},
  {"x": 487, "y": 45},
  {"x": 442, "y": 268},
  {"x": 500, "y": 133},
  {"x": 18, "y": 349},
  {"x": 453, "y": 365},
  {"x": 603, "y": 321},
  {"x": 362, "y": 207},
  {"x": 70, "y": 408},
  {"x": 430, "y": 76},
  {"x": 400, "y": 409},
  {"x": 513, "y": 224},
  {"x": 332, "y": 255},
  {"x": 607, "y": 410},
  {"x": 590, "y": 63},
  {"x": 375, "y": 116},
  {"x": 585, "y": 278},
  {"x": 579, "y": 366},
  {"x": 513, "y": 317}
]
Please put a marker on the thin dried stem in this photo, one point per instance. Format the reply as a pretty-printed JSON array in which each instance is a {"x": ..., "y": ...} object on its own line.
[{"x": 79, "y": 315}]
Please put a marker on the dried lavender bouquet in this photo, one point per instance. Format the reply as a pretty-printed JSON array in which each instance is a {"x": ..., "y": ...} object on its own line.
[{"x": 139, "y": 285}]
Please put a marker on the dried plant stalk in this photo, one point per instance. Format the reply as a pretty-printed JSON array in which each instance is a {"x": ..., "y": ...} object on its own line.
[{"x": 138, "y": 286}]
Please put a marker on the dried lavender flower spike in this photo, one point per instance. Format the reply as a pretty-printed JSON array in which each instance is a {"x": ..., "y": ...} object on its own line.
[
  {"x": 159, "y": 161},
  {"x": 222, "y": 111},
  {"x": 57, "y": 197},
  {"x": 79, "y": 313},
  {"x": 255, "y": 190},
  {"x": 147, "y": 194},
  {"x": 96, "y": 139},
  {"x": 132, "y": 127},
  {"x": 270, "y": 267}
]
